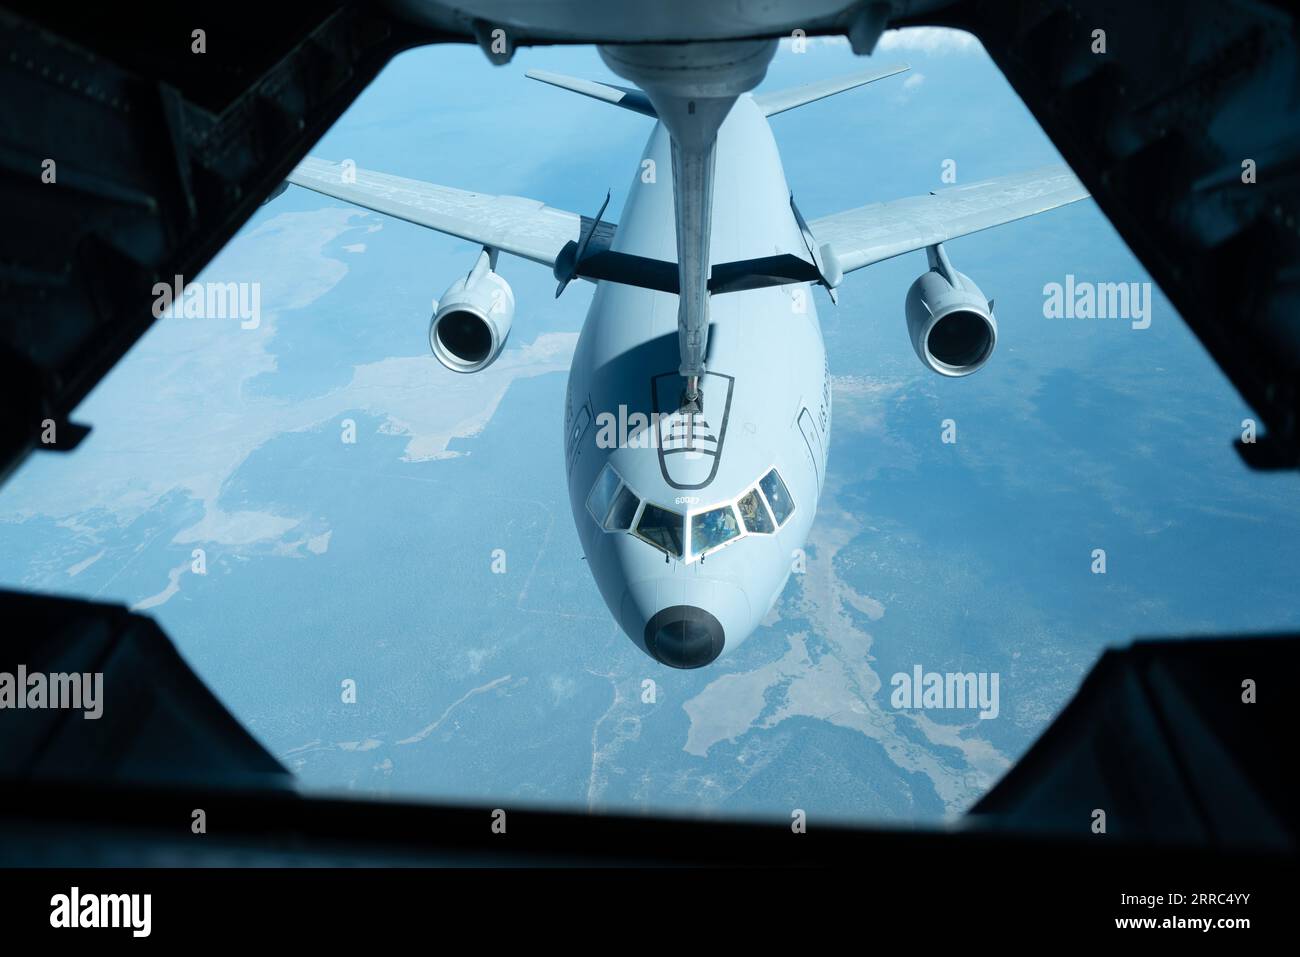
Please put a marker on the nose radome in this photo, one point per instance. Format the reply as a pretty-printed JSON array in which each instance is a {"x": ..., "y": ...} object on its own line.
[
  {"x": 685, "y": 622},
  {"x": 684, "y": 636}
]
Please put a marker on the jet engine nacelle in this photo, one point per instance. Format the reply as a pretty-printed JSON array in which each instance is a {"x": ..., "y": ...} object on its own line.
[
  {"x": 951, "y": 323},
  {"x": 472, "y": 319}
]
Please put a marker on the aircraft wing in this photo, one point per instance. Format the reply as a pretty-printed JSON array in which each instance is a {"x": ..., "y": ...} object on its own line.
[
  {"x": 870, "y": 234},
  {"x": 512, "y": 224},
  {"x": 782, "y": 100}
]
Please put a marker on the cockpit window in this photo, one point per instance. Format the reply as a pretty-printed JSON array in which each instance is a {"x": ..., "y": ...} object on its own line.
[
  {"x": 661, "y": 528},
  {"x": 777, "y": 496},
  {"x": 755, "y": 514},
  {"x": 602, "y": 494},
  {"x": 616, "y": 507},
  {"x": 624, "y": 510},
  {"x": 713, "y": 528}
]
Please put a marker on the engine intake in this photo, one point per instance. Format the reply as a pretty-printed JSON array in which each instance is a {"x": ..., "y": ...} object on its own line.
[
  {"x": 471, "y": 321},
  {"x": 951, "y": 323}
]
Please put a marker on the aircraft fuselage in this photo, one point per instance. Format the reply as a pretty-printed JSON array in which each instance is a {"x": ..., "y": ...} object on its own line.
[{"x": 687, "y": 598}]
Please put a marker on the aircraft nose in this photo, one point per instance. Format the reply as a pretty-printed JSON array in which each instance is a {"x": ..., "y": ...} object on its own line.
[
  {"x": 685, "y": 622},
  {"x": 684, "y": 636}
]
